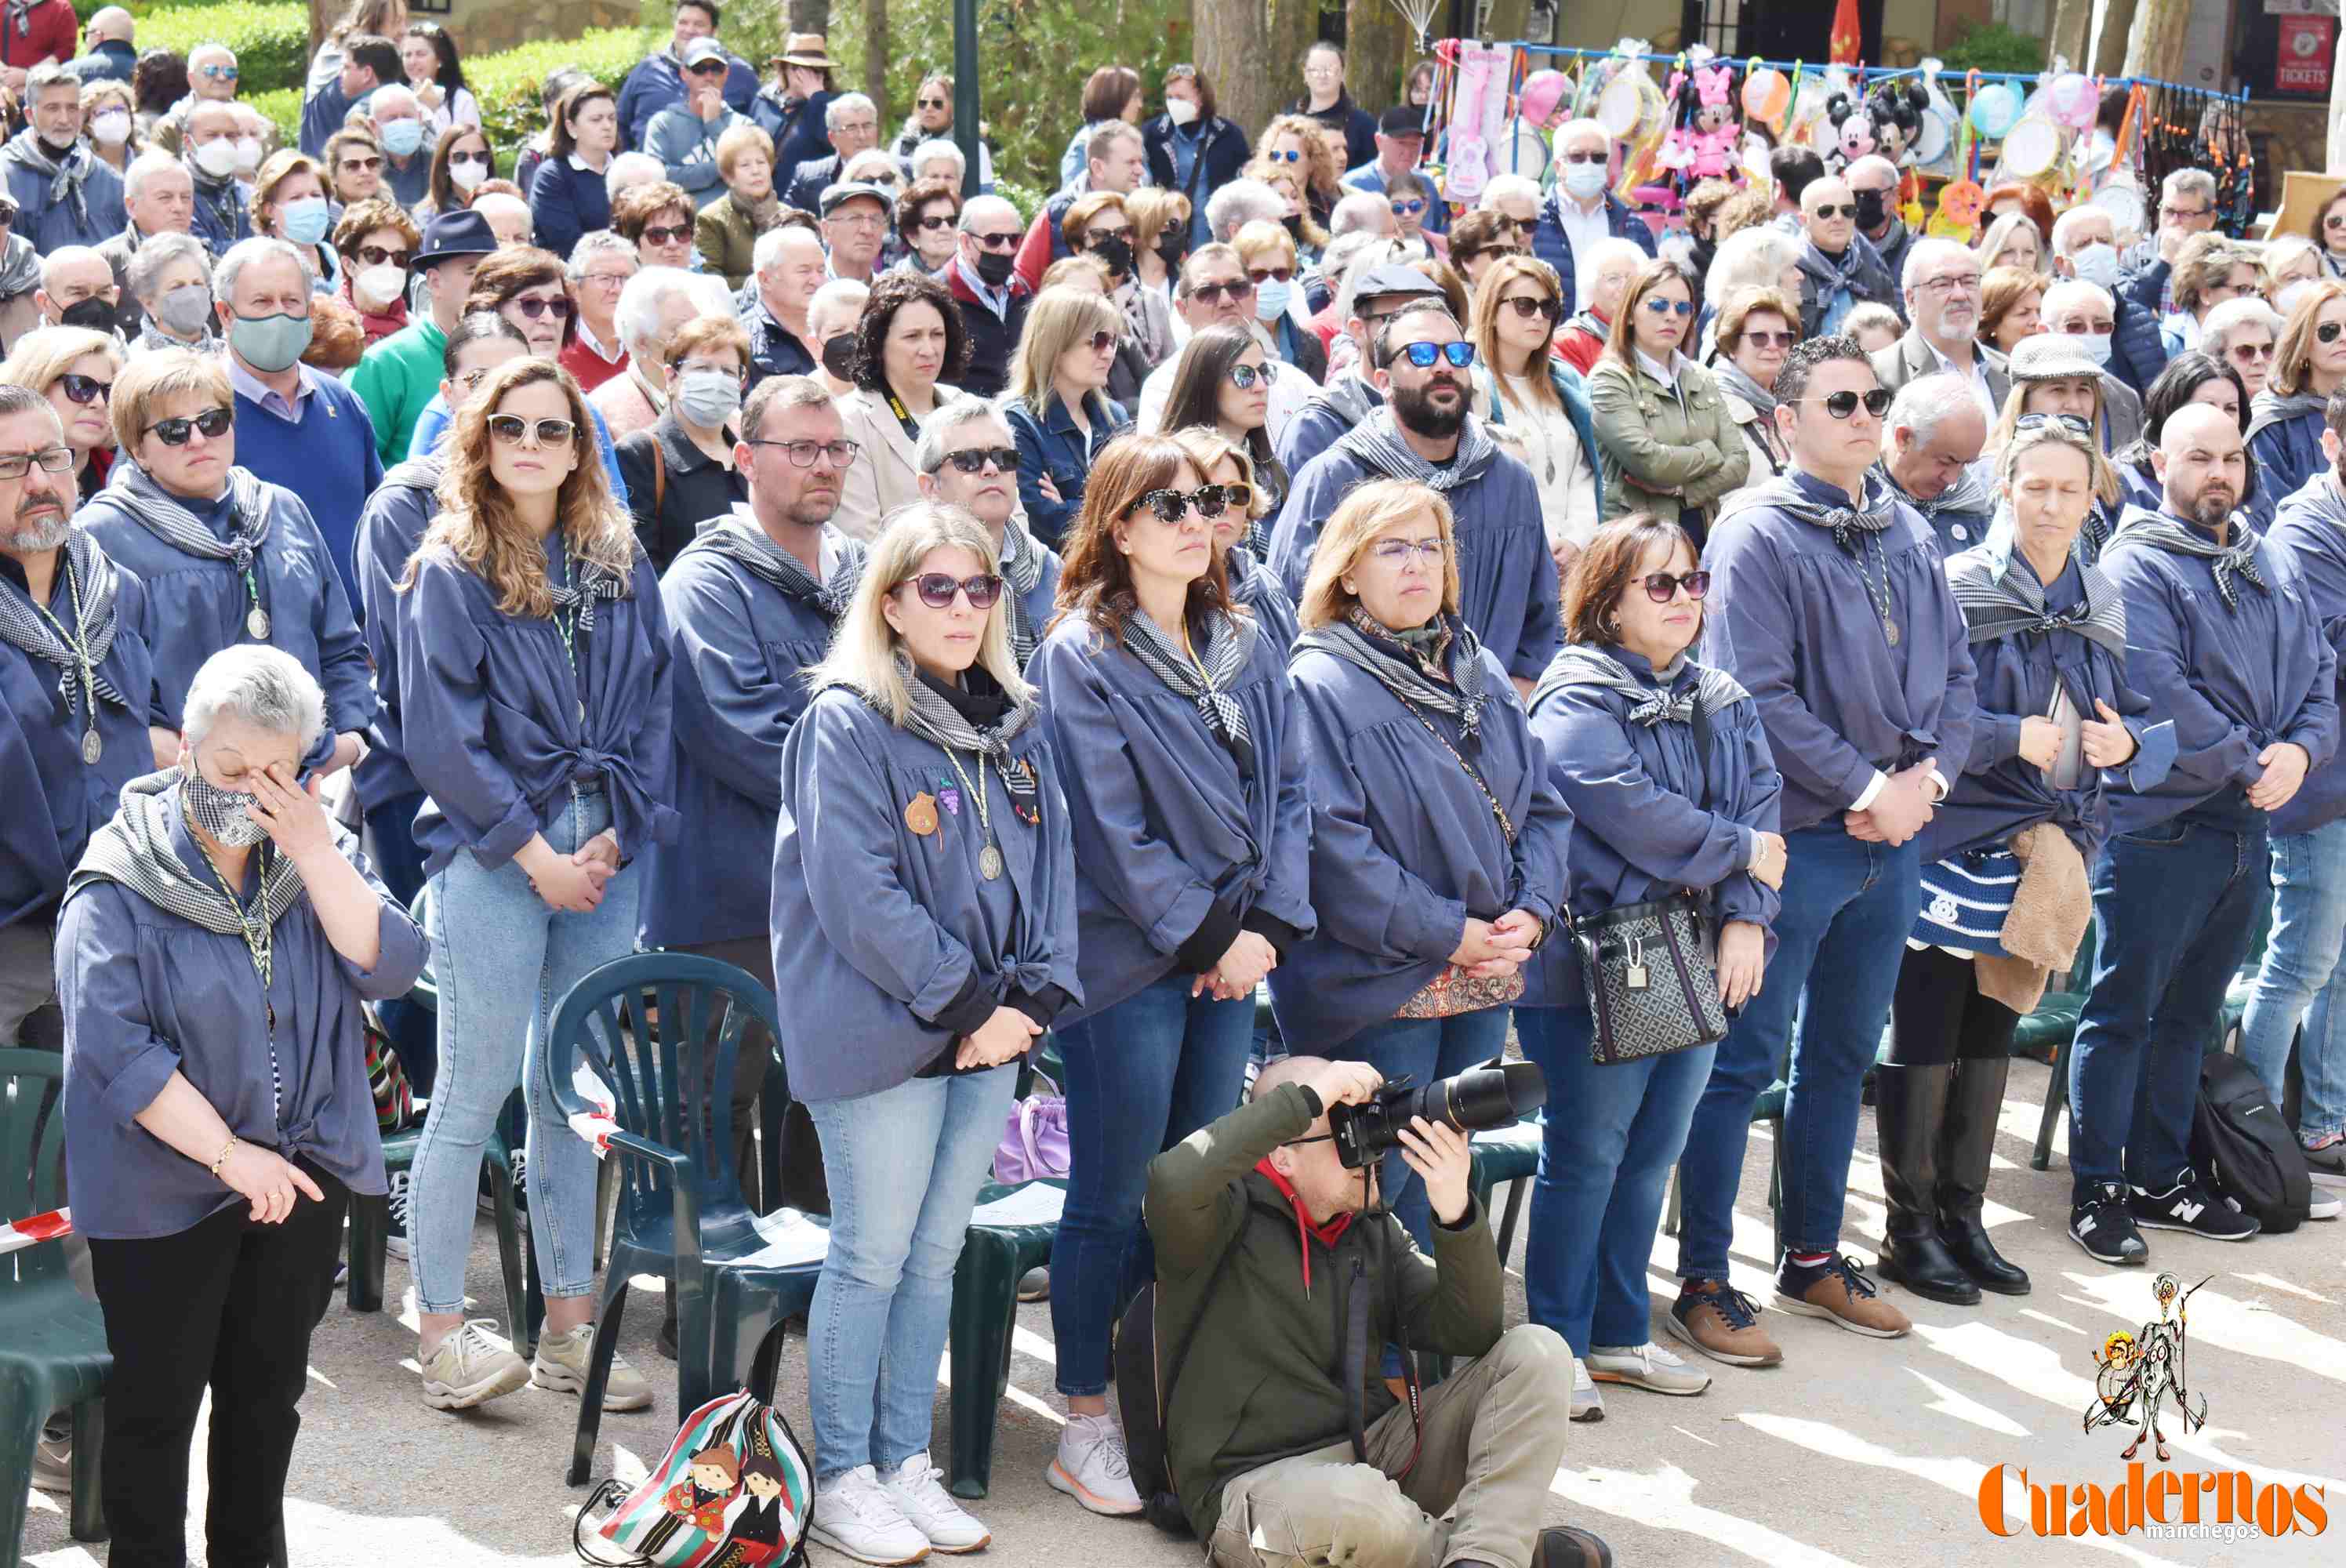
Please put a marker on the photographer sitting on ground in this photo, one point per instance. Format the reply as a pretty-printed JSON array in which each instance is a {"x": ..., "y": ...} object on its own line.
[{"x": 1274, "y": 1462}]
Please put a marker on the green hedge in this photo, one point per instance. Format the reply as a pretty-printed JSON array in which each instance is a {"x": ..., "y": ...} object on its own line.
[
  {"x": 283, "y": 109},
  {"x": 507, "y": 83},
  {"x": 86, "y": 9},
  {"x": 271, "y": 41}
]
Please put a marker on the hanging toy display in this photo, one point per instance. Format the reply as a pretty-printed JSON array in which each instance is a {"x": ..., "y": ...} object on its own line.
[
  {"x": 1934, "y": 142},
  {"x": 1963, "y": 199},
  {"x": 1848, "y": 133},
  {"x": 1705, "y": 142}
]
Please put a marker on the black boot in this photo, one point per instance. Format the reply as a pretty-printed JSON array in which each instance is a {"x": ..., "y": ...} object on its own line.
[
  {"x": 1909, "y": 1103},
  {"x": 1968, "y": 1136}
]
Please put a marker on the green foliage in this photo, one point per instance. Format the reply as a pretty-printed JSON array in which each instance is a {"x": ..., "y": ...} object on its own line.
[
  {"x": 507, "y": 85},
  {"x": 86, "y": 9},
  {"x": 1992, "y": 47},
  {"x": 283, "y": 109},
  {"x": 271, "y": 41}
]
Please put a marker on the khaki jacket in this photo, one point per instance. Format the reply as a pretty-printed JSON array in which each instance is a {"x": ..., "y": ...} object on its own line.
[{"x": 1664, "y": 450}]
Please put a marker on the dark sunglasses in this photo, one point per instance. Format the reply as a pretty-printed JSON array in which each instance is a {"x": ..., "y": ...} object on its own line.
[
  {"x": 1587, "y": 158},
  {"x": 937, "y": 589},
  {"x": 2328, "y": 331},
  {"x": 217, "y": 73},
  {"x": 1293, "y": 155},
  {"x": 534, "y": 308},
  {"x": 668, "y": 233},
  {"x": 361, "y": 165},
  {"x": 1842, "y": 404},
  {"x": 510, "y": 428},
  {"x": 973, "y": 460},
  {"x": 2068, "y": 421},
  {"x": 709, "y": 68},
  {"x": 934, "y": 220},
  {"x": 1837, "y": 209},
  {"x": 1783, "y": 340},
  {"x": 999, "y": 241},
  {"x": 1681, "y": 308},
  {"x": 1172, "y": 505},
  {"x": 1661, "y": 587},
  {"x": 377, "y": 256},
  {"x": 1525, "y": 307},
  {"x": 85, "y": 389},
  {"x": 930, "y": 103},
  {"x": 1460, "y": 355},
  {"x": 1215, "y": 293},
  {"x": 1410, "y": 209},
  {"x": 1102, "y": 342},
  {"x": 1244, "y": 377},
  {"x": 1239, "y": 495},
  {"x": 1262, "y": 275},
  {"x": 214, "y": 422}
]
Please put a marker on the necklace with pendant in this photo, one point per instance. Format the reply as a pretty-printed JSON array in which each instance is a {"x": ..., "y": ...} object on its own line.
[{"x": 989, "y": 859}]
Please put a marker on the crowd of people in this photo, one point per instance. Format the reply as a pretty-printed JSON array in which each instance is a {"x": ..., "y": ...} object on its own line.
[{"x": 744, "y": 533}]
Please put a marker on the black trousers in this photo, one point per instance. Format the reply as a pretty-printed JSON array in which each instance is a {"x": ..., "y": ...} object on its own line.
[
  {"x": 1937, "y": 1015},
  {"x": 227, "y": 1305}
]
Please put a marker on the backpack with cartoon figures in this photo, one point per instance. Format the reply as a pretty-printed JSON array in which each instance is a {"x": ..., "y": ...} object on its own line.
[
  {"x": 733, "y": 1490},
  {"x": 2244, "y": 1150}
]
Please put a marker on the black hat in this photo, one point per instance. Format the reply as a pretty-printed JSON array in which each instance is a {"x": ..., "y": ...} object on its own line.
[
  {"x": 463, "y": 232},
  {"x": 1401, "y": 120}
]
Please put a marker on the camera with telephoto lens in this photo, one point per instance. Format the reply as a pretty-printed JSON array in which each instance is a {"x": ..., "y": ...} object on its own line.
[{"x": 1490, "y": 1095}]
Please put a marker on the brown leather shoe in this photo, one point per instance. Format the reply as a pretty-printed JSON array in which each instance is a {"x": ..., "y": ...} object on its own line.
[
  {"x": 1838, "y": 1291},
  {"x": 1561, "y": 1546},
  {"x": 1722, "y": 1323}
]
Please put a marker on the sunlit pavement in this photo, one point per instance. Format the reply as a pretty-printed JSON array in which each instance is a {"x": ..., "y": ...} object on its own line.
[{"x": 1855, "y": 1452}]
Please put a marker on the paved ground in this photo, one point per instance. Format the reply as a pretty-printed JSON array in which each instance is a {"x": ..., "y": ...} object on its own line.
[{"x": 1853, "y": 1452}]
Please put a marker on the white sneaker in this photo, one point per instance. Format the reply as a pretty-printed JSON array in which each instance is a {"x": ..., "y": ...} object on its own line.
[
  {"x": 561, "y": 1364},
  {"x": 53, "y": 1456},
  {"x": 854, "y": 1514},
  {"x": 914, "y": 1490},
  {"x": 2322, "y": 1203},
  {"x": 394, "y": 1240},
  {"x": 1091, "y": 1467},
  {"x": 1588, "y": 1403},
  {"x": 470, "y": 1366},
  {"x": 1648, "y": 1367}
]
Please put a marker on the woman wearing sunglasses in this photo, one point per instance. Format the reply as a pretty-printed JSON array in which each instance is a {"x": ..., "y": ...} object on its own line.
[
  {"x": 2058, "y": 723},
  {"x": 1229, "y": 465},
  {"x": 1268, "y": 255},
  {"x": 925, "y": 906},
  {"x": 375, "y": 240},
  {"x": 1669, "y": 446},
  {"x": 227, "y": 558},
  {"x": 534, "y": 687},
  {"x": 1522, "y": 386},
  {"x": 2188, "y": 377},
  {"x": 1057, "y": 404},
  {"x": 1671, "y": 787},
  {"x": 2285, "y": 419},
  {"x": 1755, "y": 331},
  {"x": 75, "y": 368},
  {"x": 1412, "y": 197},
  {"x": 1292, "y": 144},
  {"x": 1169, "y": 712},
  {"x": 1222, "y": 383},
  {"x": 927, "y": 219},
  {"x": 2244, "y": 333},
  {"x": 1437, "y": 845}
]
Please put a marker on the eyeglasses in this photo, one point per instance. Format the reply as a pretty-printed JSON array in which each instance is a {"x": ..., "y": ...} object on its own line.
[
  {"x": 668, "y": 233},
  {"x": 1588, "y": 157},
  {"x": 1262, "y": 275},
  {"x": 1293, "y": 154},
  {"x": 973, "y": 459},
  {"x": 1842, "y": 404},
  {"x": 1526, "y": 306},
  {"x": 379, "y": 256},
  {"x": 511, "y": 428},
  {"x": 1953, "y": 283},
  {"x": 2185, "y": 214},
  {"x": 999, "y": 242},
  {"x": 213, "y": 422},
  {"x": 1244, "y": 377},
  {"x": 930, "y": 103},
  {"x": 1215, "y": 293},
  {"x": 2328, "y": 331},
  {"x": 85, "y": 389},
  {"x": 1172, "y": 505},
  {"x": 1400, "y": 552},
  {"x": 1661, "y": 587},
  {"x": 1783, "y": 340},
  {"x": 1506, "y": 224},
  {"x": 857, "y": 219},
  {"x": 837, "y": 453},
  {"x": 1682, "y": 309},
  {"x": 1460, "y": 355},
  {"x": 361, "y": 165},
  {"x": 2070, "y": 422},
  {"x": 1239, "y": 495},
  {"x": 933, "y": 221},
  {"x": 609, "y": 279},
  {"x": 937, "y": 589},
  {"x": 217, "y": 73},
  {"x": 1103, "y": 341},
  {"x": 559, "y": 308},
  {"x": 1410, "y": 209},
  {"x": 2253, "y": 351},
  {"x": 52, "y": 459}
]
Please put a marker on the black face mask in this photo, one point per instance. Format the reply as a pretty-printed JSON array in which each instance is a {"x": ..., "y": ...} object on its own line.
[
  {"x": 993, "y": 267},
  {"x": 1116, "y": 250},
  {"x": 1704, "y": 253},
  {"x": 1293, "y": 224},
  {"x": 1872, "y": 210},
  {"x": 93, "y": 313},
  {"x": 1172, "y": 245},
  {"x": 838, "y": 356}
]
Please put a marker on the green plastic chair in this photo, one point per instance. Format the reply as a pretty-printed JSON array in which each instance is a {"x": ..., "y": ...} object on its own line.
[
  {"x": 1506, "y": 1156},
  {"x": 1769, "y": 1108},
  {"x": 680, "y": 1215},
  {"x": 53, "y": 1353},
  {"x": 984, "y": 1311}
]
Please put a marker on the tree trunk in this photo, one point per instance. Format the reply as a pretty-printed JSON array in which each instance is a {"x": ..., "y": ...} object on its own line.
[
  {"x": 1379, "y": 46},
  {"x": 1232, "y": 40},
  {"x": 1294, "y": 26},
  {"x": 809, "y": 16},
  {"x": 2110, "y": 51},
  {"x": 2155, "y": 43},
  {"x": 2072, "y": 21},
  {"x": 323, "y": 14},
  {"x": 875, "y": 58}
]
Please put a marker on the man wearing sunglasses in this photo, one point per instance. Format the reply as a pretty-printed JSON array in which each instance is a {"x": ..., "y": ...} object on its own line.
[
  {"x": 1581, "y": 211},
  {"x": 1215, "y": 290},
  {"x": 2084, "y": 249},
  {"x": 1828, "y": 604},
  {"x": 1838, "y": 269},
  {"x": 1942, "y": 301},
  {"x": 1401, "y": 142},
  {"x": 991, "y": 295},
  {"x": 1427, "y": 430},
  {"x": 1371, "y": 292}
]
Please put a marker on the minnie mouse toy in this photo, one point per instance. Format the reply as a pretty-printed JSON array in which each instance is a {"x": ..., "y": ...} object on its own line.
[{"x": 1703, "y": 144}]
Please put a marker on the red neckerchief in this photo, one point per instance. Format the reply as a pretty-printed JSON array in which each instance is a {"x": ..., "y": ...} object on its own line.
[{"x": 1307, "y": 1229}]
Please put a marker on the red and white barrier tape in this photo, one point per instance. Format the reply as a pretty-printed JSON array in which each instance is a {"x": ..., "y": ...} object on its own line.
[
  {"x": 596, "y": 1124},
  {"x": 34, "y": 1229}
]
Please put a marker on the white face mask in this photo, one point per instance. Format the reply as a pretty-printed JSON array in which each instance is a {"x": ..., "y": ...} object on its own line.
[
  {"x": 247, "y": 153},
  {"x": 467, "y": 172},
  {"x": 2290, "y": 293},
  {"x": 1584, "y": 181},
  {"x": 2095, "y": 344},
  {"x": 111, "y": 127},
  {"x": 378, "y": 287},
  {"x": 2097, "y": 264},
  {"x": 1180, "y": 111},
  {"x": 217, "y": 157}
]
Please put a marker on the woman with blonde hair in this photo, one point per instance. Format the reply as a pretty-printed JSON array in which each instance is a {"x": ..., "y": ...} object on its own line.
[
  {"x": 2013, "y": 240},
  {"x": 1662, "y": 427},
  {"x": 1520, "y": 387},
  {"x": 1228, "y": 462},
  {"x": 926, "y": 910},
  {"x": 108, "y": 117},
  {"x": 2012, "y": 302},
  {"x": 1292, "y": 144},
  {"x": 533, "y": 686},
  {"x": 1310, "y": 235},
  {"x": 1160, "y": 237},
  {"x": 2285, "y": 419},
  {"x": 1437, "y": 843},
  {"x": 1268, "y": 254},
  {"x": 1757, "y": 329},
  {"x": 1171, "y": 716},
  {"x": 74, "y": 368},
  {"x": 1057, "y": 405},
  {"x": 2292, "y": 259}
]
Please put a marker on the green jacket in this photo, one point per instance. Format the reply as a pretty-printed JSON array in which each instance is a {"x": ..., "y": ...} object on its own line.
[
  {"x": 396, "y": 377},
  {"x": 1659, "y": 452},
  {"x": 1264, "y": 1380}
]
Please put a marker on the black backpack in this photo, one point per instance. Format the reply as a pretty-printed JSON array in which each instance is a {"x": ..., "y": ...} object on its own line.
[
  {"x": 1144, "y": 1392},
  {"x": 2244, "y": 1149}
]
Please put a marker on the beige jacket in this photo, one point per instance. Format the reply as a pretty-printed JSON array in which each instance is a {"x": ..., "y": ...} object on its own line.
[{"x": 884, "y": 475}]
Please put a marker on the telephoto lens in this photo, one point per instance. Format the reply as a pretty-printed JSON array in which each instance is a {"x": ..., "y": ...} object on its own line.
[{"x": 1490, "y": 1095}]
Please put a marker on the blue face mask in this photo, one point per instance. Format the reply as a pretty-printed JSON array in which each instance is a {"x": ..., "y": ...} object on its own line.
[
  {"x": 305, "y": 219},
  {"x": 1583, "y": 179},
  {"x": 1271, "y": 299},
  {"x": 270, "y": 343},
  {"x": 402, "y": 138}
]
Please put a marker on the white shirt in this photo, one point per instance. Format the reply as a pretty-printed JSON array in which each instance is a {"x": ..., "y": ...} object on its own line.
[
  {"x": 1582, "y": 230},
  {"x": 1978, "y": 379},
  {"x": 1290, "y": 389},
  {"x": 1560, "y": 465}
]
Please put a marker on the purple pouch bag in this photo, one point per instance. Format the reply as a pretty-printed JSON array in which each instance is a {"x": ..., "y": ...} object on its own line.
[{"x": 1033, "y": 1140}]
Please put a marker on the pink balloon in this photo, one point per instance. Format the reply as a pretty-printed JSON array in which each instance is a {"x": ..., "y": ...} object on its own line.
[{"x": 1543, "y": 90}]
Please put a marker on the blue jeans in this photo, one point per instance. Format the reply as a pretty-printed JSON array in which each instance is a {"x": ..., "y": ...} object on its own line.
[
  {"x": 503, "y": 957},
  {"x": 1141, "y": 1076},
  {"x": 1427, "y": 1050},
  {"x": 904, "y": 1167},
  {"x": 392, "y": 848},
  {"x": 1612, "y": 1135},
  {"x": 1848, "y": 907},
  {"x": 2300, "y": 976},
  {"x": 2173, "y": 905}
]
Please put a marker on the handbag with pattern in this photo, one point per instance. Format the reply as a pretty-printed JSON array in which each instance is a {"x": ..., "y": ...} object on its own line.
[{"x": 1651, "y": 972}]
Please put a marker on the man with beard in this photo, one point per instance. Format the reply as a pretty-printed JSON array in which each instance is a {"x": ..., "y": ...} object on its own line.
[
  {"x": 2223, "y": 635},
  {"x": 1929, "y": 442},
  {"x": 1424, "y": 365},
  {"x": 751, "y": 603},
  {"x": 64, "y": 194},
  {"x": 1372, "y": 290},
  {"x": 1828, "y": 604},
  {"x": 1873, "y": 186},
  {"x": 1943, "y": 301},
  {"x": 1838, "y": 271}
]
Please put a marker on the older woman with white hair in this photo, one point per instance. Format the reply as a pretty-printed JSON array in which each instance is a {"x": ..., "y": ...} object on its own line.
[
  {"x": 1240, "y": 202},
  {"x": 1762, "y": 257},
  {"x": 214, "y": 950},
  {"x": 653, "y": 306},
  {"x": 171, "y": 278},
  {"x": 2243, "y": 332}
]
